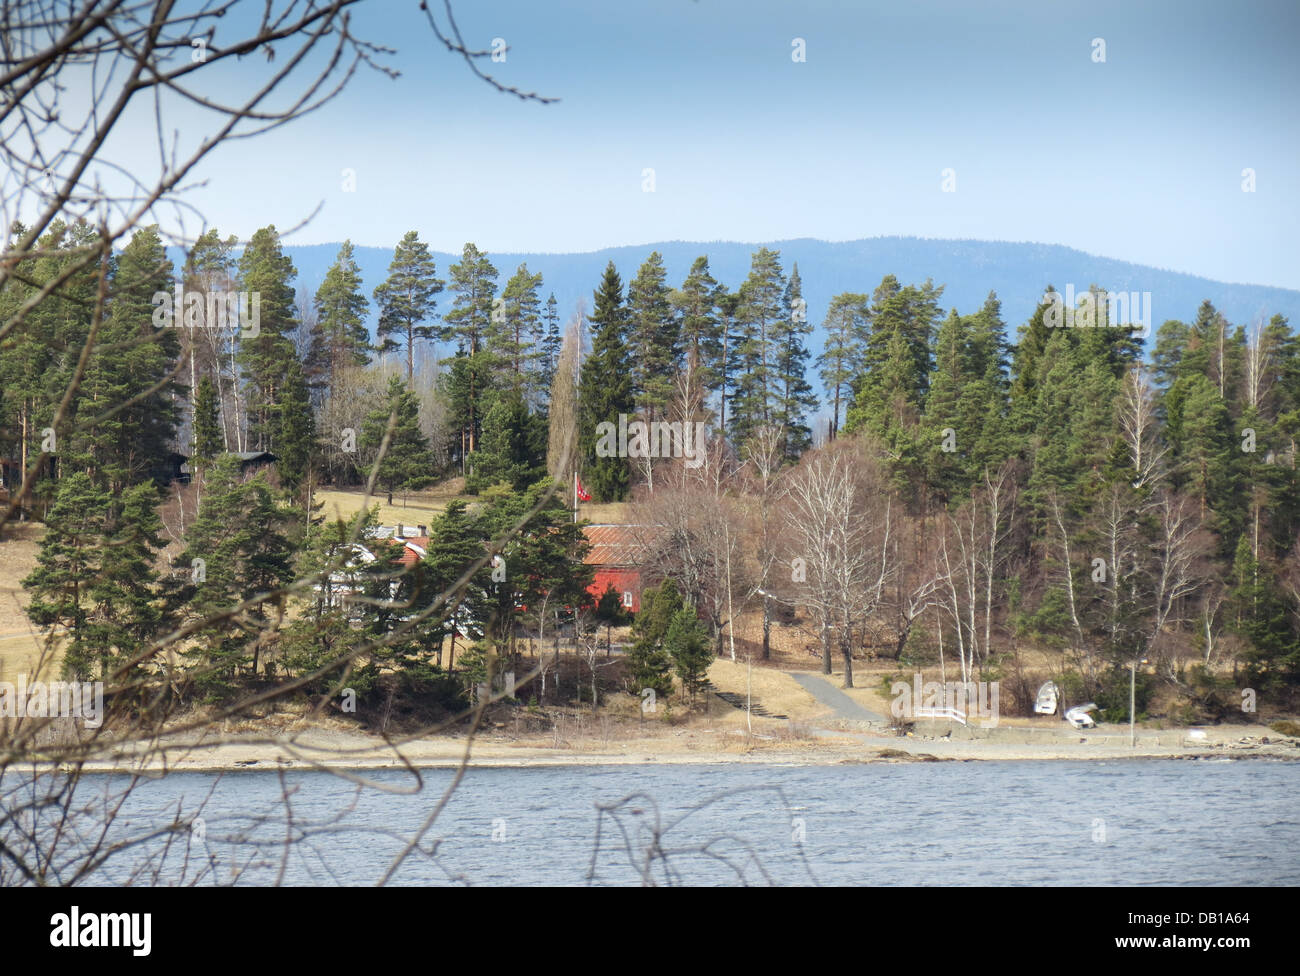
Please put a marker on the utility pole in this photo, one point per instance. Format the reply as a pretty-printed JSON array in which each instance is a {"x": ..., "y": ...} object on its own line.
[
  {"x": 1132, "y": 697},
  {"x": 1132, "y": 700}
]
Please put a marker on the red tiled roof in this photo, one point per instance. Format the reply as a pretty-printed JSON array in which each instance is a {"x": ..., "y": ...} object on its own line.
[
  {"x": 409, "y": 555},
  {"x": 613, "y": 545}
]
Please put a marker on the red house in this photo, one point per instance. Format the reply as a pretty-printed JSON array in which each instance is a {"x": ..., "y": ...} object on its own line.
[{"x": 616, "y": 555}]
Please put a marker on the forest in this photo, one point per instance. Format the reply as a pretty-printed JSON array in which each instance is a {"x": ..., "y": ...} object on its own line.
[{"x": 962, "y": 490}]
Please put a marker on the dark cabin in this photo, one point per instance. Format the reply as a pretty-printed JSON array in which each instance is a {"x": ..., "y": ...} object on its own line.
[{"x": 253, "y": 461}]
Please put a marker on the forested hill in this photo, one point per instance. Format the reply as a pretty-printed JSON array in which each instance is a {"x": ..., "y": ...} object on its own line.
[{"x": 967, "y": 269}]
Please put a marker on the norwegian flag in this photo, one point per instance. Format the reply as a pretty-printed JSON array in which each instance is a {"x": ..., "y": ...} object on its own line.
[{"x": 580, "y": 491}]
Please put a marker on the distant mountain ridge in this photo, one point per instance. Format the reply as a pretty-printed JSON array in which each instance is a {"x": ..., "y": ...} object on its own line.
[{"x": 968, "y": 270}]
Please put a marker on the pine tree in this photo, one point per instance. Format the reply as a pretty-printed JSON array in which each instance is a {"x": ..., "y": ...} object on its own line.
[
  {"x": 541, "y": 561},
  {"x": 470, "y": 323},
  {"x": 761, "y": 308},
  {"x": 1200, "y": 435},
  {"x": 127, "y": 408},
  {"x": 700, "y": 326},
  {"x": 39, "y": 355},
  {"x": 340, "y": 340},
  {"x": 605, "y": 389},
  {"x": 847, "y": 324},
  {"x": 407, "y": 300},
  {"x": 945, "y": 421},
  {"x": 517, "y": 347},
  {"x": 728, "y": 368},
  {"x": 1166, "y": 357},
  {"x": 1258, "y": 612},
  {"x": 965, "y": 408},
  {"x": 610, "y": 612}
]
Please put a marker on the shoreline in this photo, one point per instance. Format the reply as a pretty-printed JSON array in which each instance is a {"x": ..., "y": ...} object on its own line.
[{"x": 332, "y": 751}]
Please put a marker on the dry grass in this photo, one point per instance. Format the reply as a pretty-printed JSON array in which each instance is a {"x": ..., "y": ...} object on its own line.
[
  {"x": 22, "y": 655},
  {"x": 774, "y": 689},
  {"x": 21, "y": 542},
  {"x": 420, "y": 507}
]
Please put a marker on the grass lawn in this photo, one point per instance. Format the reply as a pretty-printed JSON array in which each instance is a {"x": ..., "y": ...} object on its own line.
[{"x": 422, "y": 507}]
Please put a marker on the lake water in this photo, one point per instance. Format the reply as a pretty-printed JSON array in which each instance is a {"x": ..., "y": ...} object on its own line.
[{"x": 952, "y": 823}]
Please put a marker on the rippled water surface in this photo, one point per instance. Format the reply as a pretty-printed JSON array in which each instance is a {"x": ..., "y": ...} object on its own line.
[{"x": 998, "y": 823}]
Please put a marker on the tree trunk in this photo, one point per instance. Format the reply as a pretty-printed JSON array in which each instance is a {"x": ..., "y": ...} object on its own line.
[{"x": 767, "y": 628}]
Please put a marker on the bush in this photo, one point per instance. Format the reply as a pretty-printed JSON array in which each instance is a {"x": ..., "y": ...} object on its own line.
[{"x": 1113, "y": 692}]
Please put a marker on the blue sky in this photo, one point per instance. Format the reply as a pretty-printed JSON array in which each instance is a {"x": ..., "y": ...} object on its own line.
[{"x": 1138, "y": 158}]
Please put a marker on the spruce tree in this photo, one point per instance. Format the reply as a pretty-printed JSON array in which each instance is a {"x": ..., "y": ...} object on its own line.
[
  {"x": 67, "y": 565},
  {"x": 237, "y": 550},
  {"x": 605, "y": 389},
  {"x": 295, "y": 437},
  {"x": 651, "y": 338},
  {"x": 266, "y": 273},
  {"x": 126, "y": 611},
  {"x": 455, "y": 544},
  {"x": 649, "y": 664},
  {"x": 794, "y": 395},
  {"x": 549, "y": 357},
  {"x": 407, "y": 463},
  {"x": 514, "y": 446},
  {"x": 207, "y": 426},
  {"x": 687, "y": 644}
]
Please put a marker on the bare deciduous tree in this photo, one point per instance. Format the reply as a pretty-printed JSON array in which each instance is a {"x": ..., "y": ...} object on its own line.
[{"x": 840, "y": 519}]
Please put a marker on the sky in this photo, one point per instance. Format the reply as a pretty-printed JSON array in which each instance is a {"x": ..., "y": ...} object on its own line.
[{"x": 1139, "y": 156}]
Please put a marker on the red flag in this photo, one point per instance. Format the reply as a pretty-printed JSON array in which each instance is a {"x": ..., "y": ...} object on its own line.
[{"x": 582, "y": 492}]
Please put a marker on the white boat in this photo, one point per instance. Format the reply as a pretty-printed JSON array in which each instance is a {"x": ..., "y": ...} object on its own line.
[
  {"x": 1048, "y": 698},
  {"x": 1079, "y": 718}
]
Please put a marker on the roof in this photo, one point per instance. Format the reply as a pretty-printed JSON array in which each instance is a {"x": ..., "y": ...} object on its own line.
[
  {"x": 613, "y": 545},
  {"x": 415, "y": 550},
  {"x": 254, "y": 455}
]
